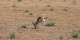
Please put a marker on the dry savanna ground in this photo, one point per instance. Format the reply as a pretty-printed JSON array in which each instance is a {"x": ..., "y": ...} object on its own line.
[{"x": 65, "y": 14}]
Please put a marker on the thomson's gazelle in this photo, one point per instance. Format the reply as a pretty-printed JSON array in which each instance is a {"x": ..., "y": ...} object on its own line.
[{"x": 40, "y": 21}]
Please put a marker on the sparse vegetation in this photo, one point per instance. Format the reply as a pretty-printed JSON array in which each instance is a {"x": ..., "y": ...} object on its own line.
[
  {"x": 65, "y": 9},
  {"x": 51, "y": 9},
  {"x": 13, "y": 6},
  {"x": 49, "y": 23},
  {"x": 40, "y": 0},
  {"x": 74, "y": 34},
  {"x": 0, "y": 37},
  {"x": 74, "y": 2},
  {"x": 30, "y": 14},
  {"x": 79, "y": 31},
  {"x": 48, "y": 5},
  {"x": 64, "y": 0},
  {"x": 19, "y": 0},
  {"x": 8, "y": 0},
  {"x": 12, "y": 35},
  {"x": 23, "y": 25},
  {"x": 61, "y": 37},
  {"x": 26, "y": 11}
]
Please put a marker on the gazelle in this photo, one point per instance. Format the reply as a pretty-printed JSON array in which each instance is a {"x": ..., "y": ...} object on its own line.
[{"x": 40, "y": 21}]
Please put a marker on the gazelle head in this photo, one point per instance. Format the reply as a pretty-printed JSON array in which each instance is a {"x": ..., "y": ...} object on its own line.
[{"x": 43, "y": 16}]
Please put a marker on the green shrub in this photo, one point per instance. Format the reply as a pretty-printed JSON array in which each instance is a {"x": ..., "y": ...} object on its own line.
[
  {"x": 50, "y": 23},
  {"x": 75, "y": 34},
  {"x": 23, "y": 25},
  {"x": 12, "y": 35},
  {"x": 78, "y": 31}
]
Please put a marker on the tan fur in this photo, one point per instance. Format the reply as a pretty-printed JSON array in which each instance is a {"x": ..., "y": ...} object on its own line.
[{"x": 40, "y": 21}]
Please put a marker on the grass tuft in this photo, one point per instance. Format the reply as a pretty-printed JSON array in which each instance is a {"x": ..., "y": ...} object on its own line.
[
  {"x": 49, "y": 23},
  {"x": 19, "y": 0},
  {"x": 78, "y": 31},
  {"x": 74, "y": 2},
  {"x": 48, "y": 5},
  {"x": 64, "y": 0},
  {"x": 74, "y": 34},
  {"x": 61, "y": 37},
  {"x": 12, "y": 35},
  {"x": 30, "y": 14},
  {"x": 51, "y": 9},
  {"x": 26, "y": 11},
  {"x": 40, "y": 0},
  {"x": 13, "y": 6},
  {"x": 23, "y": 25},
  {"x": 65, "y": 10}
]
